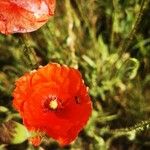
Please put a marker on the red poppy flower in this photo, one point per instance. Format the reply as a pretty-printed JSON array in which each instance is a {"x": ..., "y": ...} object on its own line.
[
  {"x": 53, "y": 100},
  {"x": 24, "y": 15}
]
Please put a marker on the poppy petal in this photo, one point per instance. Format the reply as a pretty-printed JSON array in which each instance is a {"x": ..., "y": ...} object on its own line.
[
  {"x": 25, "y": 15},
  {"x": 53, "y": 100}
]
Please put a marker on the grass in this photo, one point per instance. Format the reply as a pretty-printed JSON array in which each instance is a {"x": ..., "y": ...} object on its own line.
[{"x": 109, "y": 43}]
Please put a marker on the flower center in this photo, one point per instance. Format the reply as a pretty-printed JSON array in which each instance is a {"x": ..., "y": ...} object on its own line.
[{"x": 53, "y": 104}]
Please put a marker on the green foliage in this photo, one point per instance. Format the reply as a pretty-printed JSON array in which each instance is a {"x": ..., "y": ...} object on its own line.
[
  {"x": 20, "y": 134},
  {"x": 108, "y": 41}
]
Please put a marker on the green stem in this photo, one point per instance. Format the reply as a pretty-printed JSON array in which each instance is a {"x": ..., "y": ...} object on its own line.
[
  {"x": 129, "y": 132},
  {"x": 139, "y": 127},
  {"x": 127, "y": 42},
  {"x": 28, "y": 50}
]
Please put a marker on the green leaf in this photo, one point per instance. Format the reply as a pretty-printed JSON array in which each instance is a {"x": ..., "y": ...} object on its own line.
[
  {"x": 3, "y": 109},
  {"x": 20, "y": 134},
  {"x": 133, "y": 66},
  {"x": 2, "y": 147},
  {"x": 129, "y": 69},
  {"x": 89, "y": 61}
]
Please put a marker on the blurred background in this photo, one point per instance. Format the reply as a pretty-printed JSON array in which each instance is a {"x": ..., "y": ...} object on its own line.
[{"x": 109, "y": 42}]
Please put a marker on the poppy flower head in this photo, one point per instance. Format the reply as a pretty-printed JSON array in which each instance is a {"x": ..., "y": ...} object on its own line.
[
  {"x": 24, "y": 15},
  {"x": 53, "y": 100}
]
